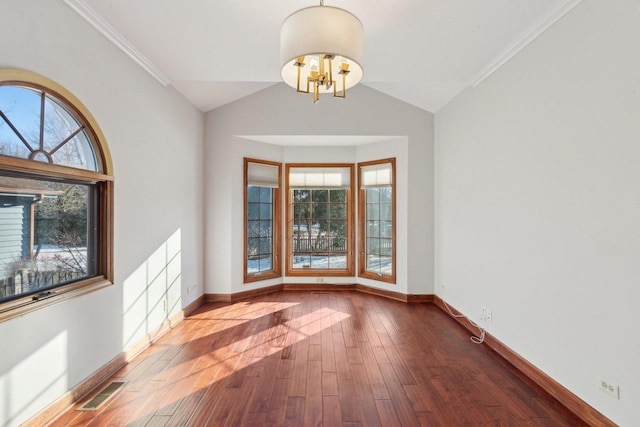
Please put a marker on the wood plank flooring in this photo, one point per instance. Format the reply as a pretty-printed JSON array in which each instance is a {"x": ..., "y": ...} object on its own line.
[{"x": 320, "y": 359}]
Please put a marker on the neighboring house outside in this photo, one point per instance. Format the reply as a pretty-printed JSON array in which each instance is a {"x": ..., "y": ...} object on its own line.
[{"x": 18, "y": 198}]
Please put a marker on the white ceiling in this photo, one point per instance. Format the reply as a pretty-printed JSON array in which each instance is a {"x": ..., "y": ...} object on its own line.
[{"x": 423, "y": 52}]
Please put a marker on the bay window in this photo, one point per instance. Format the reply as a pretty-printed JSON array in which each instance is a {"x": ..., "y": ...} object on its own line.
[
  {"x": 376, "y": 207},
  {"x": 320, "y": 220},
  {"x": 262, "y": 220}
]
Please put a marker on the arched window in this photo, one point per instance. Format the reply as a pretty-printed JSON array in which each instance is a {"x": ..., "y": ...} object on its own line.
[{"x": 56, "y": 196}]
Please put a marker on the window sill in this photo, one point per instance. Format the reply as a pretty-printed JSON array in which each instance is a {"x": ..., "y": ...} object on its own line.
[
  {"x": 262, "y": 276},
  {"x": 25, "y": 305},
  {"x": 312, "y": 272},
  {"x": 388, "y": 278}
]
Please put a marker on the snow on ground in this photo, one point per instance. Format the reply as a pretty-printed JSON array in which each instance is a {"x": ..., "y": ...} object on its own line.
[{"x": 374, "y": 263}]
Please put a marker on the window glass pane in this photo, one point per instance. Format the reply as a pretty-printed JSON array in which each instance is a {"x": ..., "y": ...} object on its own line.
[
  {"x": 257, "y": 264},
  {"x": 253, "y": 246},
  {"x": 320, "y": 261},
  {"x": 373, "y": 212},
  {"x": 265, "y": 210},
  {"x": 373, "y": 195},
  {"x": 265, "y": 246},
  {"x": 46, "y": 235},
  {"x": 22, "y": 108},
  {"x": 253, "y": 211},
  {"x": 300, "y": 211},
  {"x": 265, "y": 228},
  {"x": 338, "y": 228},
  {"x": 301, "y": 195},
  {"x": 385, "y": 194},
  {"x": 266, "y": 264},
  {"x": 386, "y": 229},
  {"x": 77, "y": 153},
  {"x": 338, "y": 196},
  {"x": 385, "y": 247},
  {"x": 320, "y": 195},
  {"x": 373, "y": 262},
  {"x": 338, "y": 211},
  {"x": 299, "y": 230},
  {"x": 373, "y": 245},
  {"x": 320, "y": 210},
  {"x": 265, "y": 194},
  {"x": 301, "y": 261},
  {"x": 253, "y": 194},
  {"x": 379, "y": 264},
  {"x": 385, "y": 211},
  {"x": 373, "y": 228},
  {"x": 253, "y": 229},
  {"x": 386, "y": 266},
  {"x": 58, "y": 124},
  {"x": 339, "y": 244},
  {"x": 10, "y": 144},
  {"x": 338, "y": 261}
]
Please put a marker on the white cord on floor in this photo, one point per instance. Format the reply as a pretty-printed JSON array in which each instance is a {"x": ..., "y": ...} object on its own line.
[{"x": 477, "y": 340}]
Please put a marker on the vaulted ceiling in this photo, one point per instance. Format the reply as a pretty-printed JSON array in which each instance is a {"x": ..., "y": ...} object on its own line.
[{"x": 423, "y": 52}]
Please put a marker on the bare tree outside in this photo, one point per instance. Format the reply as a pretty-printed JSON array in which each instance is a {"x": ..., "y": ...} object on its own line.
[{"x": 320, "y": 225}]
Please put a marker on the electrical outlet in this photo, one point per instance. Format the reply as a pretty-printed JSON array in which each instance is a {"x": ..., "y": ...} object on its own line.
[
  {"x": 488, "y": 314},
  {"x": 483, "y": 313},
  {"x": 611, "y": 389}
]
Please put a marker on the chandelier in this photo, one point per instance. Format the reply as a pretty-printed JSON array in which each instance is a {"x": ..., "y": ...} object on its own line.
[{"x": 321, "y": 50}]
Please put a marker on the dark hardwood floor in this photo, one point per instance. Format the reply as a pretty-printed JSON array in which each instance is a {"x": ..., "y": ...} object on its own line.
[{"x": 320, "y": 359}]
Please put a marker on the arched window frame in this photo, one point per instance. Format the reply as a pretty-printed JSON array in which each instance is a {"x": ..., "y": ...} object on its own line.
[{"x": 102, "y": 180}]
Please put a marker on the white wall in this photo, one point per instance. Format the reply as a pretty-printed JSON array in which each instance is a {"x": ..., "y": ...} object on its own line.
[
  {"x": 156, "y": 141},
  {"x": 538, "y": 208},
  {"x": 279, "y": 110}
]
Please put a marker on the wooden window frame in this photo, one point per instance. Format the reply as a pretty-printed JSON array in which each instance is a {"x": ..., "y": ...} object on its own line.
[
  {"x": 102, "y": 180},
  {"x": 362, "y": 225},
  {"x": 276, "y": 225},
  {"x": 350, "y": 270}
]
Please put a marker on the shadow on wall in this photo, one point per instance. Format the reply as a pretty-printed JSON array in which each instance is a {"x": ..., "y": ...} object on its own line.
[
  {"x": 51, "y": 362},
  {"x": 152, "y": 294}
]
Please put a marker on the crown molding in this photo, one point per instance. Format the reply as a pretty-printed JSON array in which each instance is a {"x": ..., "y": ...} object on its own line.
[
  {"x": 551, "y": 16},
  {"x": 92, "y": 17}
]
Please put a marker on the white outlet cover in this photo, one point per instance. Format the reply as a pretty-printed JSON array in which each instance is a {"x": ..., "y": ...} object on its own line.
[{"x": 610, "y": 389}]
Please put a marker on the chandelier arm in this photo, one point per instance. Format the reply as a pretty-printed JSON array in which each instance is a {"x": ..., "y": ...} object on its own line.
[
  {"x": 344, "y": 88},
  {"x": 298, "y": 87}
]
